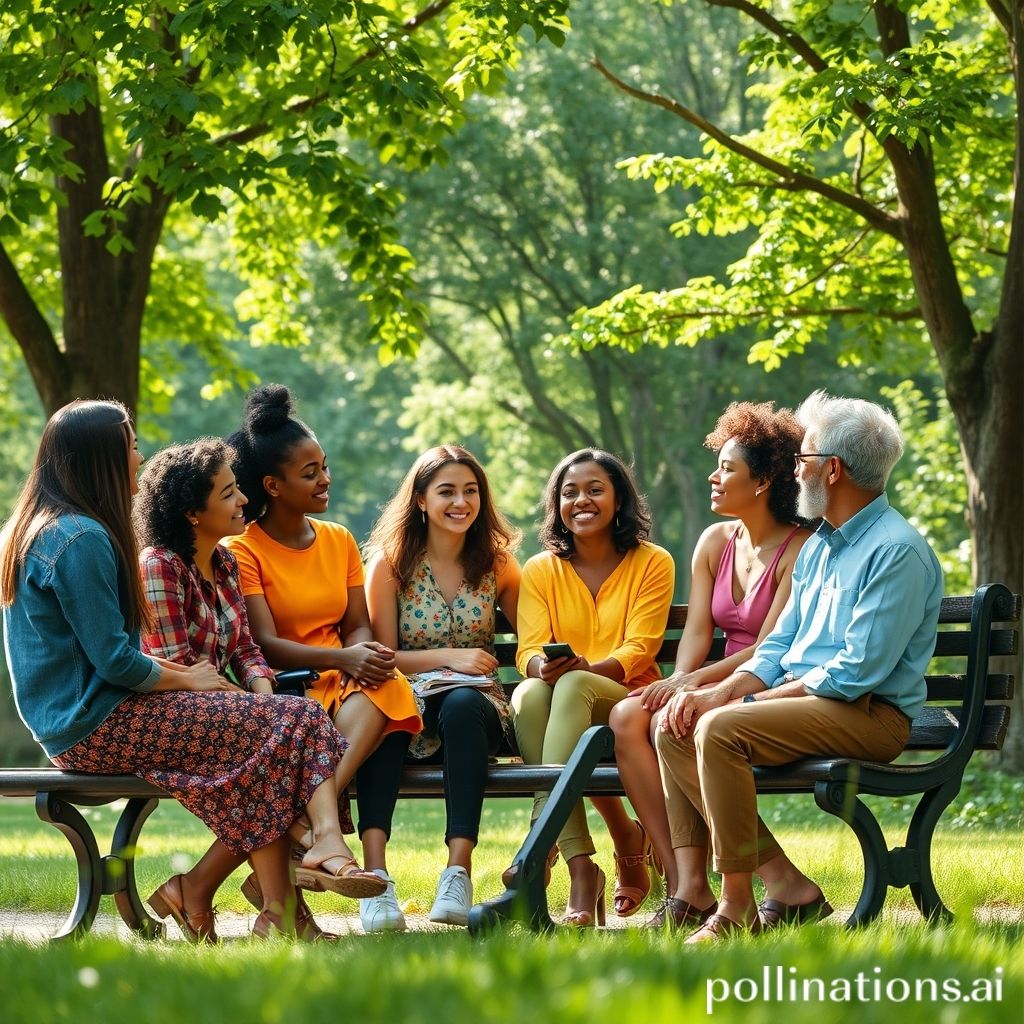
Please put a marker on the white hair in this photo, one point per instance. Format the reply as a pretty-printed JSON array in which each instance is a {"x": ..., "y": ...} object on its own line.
[{"x": 863, "y": 435}]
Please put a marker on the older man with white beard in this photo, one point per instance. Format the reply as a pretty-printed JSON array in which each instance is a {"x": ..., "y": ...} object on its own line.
[{"x": 841, "y": 675}]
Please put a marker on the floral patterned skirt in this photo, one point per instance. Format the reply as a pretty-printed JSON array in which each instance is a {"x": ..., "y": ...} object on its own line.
[{"x": 246, "y": 764}]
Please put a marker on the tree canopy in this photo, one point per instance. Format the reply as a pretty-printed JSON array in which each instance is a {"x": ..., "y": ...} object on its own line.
[
  {"x": 123, "y": 126},
  {"x": 880, "y": 188}
]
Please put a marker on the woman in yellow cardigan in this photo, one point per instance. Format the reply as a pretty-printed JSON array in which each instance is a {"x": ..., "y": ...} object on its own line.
[{"x": 604, "y": 590}]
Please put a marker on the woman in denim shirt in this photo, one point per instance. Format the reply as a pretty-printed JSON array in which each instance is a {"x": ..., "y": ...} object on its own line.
[{"x": 73, "y": 607}]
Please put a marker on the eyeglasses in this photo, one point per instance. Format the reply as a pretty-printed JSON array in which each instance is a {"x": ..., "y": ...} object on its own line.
[{"x": 802, "y": 457}]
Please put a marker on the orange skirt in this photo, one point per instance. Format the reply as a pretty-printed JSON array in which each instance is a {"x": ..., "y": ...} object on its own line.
[{"x": 394, "y": 699}]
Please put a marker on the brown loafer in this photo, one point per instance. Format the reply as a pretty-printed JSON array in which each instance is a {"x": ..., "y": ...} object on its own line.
[
  {"x": 717, "y": 928},
  {"x": 674, "y": 914},
  {"x": 774, "y": 913},
  {"x": 169, "y": 901}
]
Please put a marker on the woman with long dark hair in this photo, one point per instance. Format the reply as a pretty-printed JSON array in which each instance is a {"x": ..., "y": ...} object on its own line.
[
  {"x": 74, "y": 605},
  {"x": 602, "y": 588},
  {"x": 441, "y": 564}
]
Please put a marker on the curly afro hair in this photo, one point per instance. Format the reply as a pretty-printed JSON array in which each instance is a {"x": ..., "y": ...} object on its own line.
[
  {"x": 632, "y": 523},
  {"x": 768, "y": 439},
  {"x": 263, "y": 444},
  {"x": 175, "y": 483}
]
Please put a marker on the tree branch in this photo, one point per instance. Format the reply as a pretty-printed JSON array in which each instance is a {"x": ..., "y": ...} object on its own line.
[
  {"x": 791, "y": 179},
  {"x": 895, "y": 315},
  {"x": 43, "y": 357},
  {"x": 794, "y": 40},
  {"x": 410, "y": 25}
]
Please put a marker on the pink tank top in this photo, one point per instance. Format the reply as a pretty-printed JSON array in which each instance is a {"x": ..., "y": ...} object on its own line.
[{"x": 742, "y": 621}]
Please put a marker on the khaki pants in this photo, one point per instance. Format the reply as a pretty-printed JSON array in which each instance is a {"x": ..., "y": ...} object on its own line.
[
  {"x": 708, "y": 780},
  {"x": 549, "y": 721}
]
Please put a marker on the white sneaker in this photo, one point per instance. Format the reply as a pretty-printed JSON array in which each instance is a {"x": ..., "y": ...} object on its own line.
[
  {"x": 382, "y": 913},
  {"x": 454, "y": 897}
]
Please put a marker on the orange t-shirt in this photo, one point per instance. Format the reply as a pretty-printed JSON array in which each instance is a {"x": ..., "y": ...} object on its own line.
[{"x": 306, "y": 591}]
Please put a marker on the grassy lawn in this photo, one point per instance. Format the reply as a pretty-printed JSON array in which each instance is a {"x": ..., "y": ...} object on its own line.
[{"x": 623, "y": 976}]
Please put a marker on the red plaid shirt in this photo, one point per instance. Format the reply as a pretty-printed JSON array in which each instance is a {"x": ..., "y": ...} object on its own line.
[{"x": 197, "y": 619}]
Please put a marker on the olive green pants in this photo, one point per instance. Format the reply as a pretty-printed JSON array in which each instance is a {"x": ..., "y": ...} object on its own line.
[{"x": 549, "y": 721}]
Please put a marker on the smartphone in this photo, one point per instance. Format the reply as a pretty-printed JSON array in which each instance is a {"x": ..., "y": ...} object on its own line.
[{"x": 552, "y": 651}]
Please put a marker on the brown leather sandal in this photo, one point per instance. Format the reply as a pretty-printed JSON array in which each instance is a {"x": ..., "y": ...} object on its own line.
[
  {"x": 348, "y": 879},
  {"x": 169, "y": 901},
  {"x": 628, "y": 899},
  {"x": 306, "y": 927}
]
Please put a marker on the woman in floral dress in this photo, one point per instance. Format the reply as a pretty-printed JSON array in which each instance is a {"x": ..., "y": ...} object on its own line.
[{"x": 441, "y": 563}]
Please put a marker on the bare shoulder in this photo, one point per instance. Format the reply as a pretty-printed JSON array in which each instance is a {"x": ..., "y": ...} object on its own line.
[{"x": 713, "y": 540}]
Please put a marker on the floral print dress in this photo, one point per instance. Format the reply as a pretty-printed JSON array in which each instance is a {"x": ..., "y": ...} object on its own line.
[{"x": 426, "y": 621}]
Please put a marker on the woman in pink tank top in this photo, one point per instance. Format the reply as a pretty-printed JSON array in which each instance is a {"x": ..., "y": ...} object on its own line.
[{"x": 741, "y": 577}]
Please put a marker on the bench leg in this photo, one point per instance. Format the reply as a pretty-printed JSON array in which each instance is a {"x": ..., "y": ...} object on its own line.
[
  {"x": 919, "y": 840},
  {"x": 63, "y": 816},
  {"x": 119, "y": 873},
  {"x": 526, "y": 899},
  {"x": 841, "y": 800}
]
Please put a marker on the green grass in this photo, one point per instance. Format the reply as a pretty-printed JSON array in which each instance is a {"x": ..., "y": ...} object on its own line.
[
  {"x": 622, "y": 976},
  {"x": 625, "y": 977}
]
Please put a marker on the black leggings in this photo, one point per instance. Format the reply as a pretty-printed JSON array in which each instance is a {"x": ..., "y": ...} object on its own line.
[
  {"x": 377, "y": 782},
  {"x": 470, "y": 731}
]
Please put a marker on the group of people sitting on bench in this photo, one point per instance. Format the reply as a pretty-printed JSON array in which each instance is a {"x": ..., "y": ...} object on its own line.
[{"x": 145, "y": 619}]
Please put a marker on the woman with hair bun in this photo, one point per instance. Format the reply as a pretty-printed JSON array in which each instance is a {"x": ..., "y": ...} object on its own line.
[
  {"x": 741, "y": 576},
  {"x": 602, "y": 588},
  {"x": 303, "y": 584}
]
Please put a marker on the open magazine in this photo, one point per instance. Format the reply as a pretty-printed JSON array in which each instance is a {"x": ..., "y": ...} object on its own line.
[{"x": 438, "y": 680}]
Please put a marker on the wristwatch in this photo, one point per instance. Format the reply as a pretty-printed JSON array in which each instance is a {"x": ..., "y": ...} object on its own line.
[{"x": 748, "y": 699}]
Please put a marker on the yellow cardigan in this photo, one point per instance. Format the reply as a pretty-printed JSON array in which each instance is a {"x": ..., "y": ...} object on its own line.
[{"x": 625, "y": 622}]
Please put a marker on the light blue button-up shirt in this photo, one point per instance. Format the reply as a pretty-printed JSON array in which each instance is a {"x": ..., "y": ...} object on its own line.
[{"x": 862, "y": 614}]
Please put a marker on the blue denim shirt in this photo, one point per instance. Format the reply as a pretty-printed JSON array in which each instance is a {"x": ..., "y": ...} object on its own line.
[
  {"x": 72, "y": 661},
  {"x": 862, "y": 614}
]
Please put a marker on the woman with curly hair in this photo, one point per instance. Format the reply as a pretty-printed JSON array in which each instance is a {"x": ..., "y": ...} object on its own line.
[
  {"x": 188, "y": 501},
  {"x": 441, "y": 564},
  {"x": 302, "y": 579},
  {"x": 602, "y": 588},
  {"x": 246, "y": 764},
  {"x": 741, "y": 576}
]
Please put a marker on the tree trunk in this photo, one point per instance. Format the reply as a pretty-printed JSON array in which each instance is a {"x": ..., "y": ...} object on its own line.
[{"x": 991, "y": 423}]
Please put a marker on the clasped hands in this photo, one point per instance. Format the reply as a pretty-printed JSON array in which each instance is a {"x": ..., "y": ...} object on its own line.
[{"x": 368, "y": 664}]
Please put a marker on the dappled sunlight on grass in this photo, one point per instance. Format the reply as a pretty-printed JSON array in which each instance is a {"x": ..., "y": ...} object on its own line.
[
  {"x": 625, "y": 977},
  {"x": 974, "y": 868}
]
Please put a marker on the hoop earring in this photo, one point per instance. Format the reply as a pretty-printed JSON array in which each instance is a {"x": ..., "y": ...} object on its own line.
[
  {"x": 616, "y": 520},
  {"x": 423, "y": 515}
]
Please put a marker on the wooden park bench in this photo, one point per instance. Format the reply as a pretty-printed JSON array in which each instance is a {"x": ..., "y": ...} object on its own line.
[{"x": 967, "y": 710}]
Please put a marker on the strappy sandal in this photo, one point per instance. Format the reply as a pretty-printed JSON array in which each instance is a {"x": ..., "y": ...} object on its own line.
[
  {"x": 349, "y": 879},
  {"x": 169, "y": 901},
  {"x": 628, "y": 899},
  {"x": 306, "y": 927},
  {"x": 588, "y": 918},
  {"x": 269, "y": 925}
]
